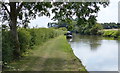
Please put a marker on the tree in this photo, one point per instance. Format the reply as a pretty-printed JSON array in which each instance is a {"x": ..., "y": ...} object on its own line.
[
  {"x": 83, "y": 11},
  {"x": 22, "y": 11},
  {"x": 14, "y": 12}
]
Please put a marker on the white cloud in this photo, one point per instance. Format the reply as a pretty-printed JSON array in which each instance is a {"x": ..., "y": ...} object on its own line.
[{"x": 110, "y": 13}]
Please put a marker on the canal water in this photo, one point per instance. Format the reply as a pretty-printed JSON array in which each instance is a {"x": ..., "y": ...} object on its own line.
[{"x": 95, "y": 52}]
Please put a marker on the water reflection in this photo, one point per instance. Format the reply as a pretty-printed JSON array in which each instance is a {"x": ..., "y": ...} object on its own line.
[
  {"x": 93, "y": 41},
  {"x": 119, "y": 55},
  {"x": 96, "y": 53}
]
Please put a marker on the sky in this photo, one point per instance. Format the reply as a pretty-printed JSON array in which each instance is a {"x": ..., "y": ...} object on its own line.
[{"x": 108, "y": 14}]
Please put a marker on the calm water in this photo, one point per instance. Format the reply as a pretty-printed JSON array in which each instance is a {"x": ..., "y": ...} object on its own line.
[{"x": 95, "y": 52}]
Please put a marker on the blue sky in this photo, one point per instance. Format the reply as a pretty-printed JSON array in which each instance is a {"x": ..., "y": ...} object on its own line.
[{"x": 108, "y": 14}]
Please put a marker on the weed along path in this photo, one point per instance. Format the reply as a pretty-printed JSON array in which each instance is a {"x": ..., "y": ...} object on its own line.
[{"x": 54, "y": 55}]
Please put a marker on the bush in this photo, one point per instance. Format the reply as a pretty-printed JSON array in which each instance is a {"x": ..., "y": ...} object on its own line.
[
  {"x": 24, "y": 39},
  {"x": 7, "y": 46},
  {"x": 90, "y": 29},
  {"x": 95, "y": 29},
  {"x": 63, "y": 28},
  {"x": 40, "y": 35}
]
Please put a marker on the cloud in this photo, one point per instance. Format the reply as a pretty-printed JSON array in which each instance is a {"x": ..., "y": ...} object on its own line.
[{"x": 110, "y": 13}]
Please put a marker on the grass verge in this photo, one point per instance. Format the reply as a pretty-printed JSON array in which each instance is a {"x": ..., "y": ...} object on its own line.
[{"x": 54, "y": 55}]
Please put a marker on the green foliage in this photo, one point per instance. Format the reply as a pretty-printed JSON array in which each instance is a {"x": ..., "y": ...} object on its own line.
[
  {"x": 110, "y": 25},
  {"x": 62, "y": 10},
  {"x": 28, "y": 38},
  {"x": 24, "y": 39},
  {"x": 33, "y": 9},
  {"x": 66, "y": 10},
  {"x": 63, "y": 28},
  {"x": 70, "y": 27},
  {"x": 95, "y": 29},
  {"x": 7, "y": 46},
  {"x": 118, "y": 37},
  {"x": 90, "y": 29},
  {"x": 40, "y": 35},
  {"x": 111, "y": 33}
]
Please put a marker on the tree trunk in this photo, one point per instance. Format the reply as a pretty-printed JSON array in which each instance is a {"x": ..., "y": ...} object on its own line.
[{"x": 13, "y": 29}]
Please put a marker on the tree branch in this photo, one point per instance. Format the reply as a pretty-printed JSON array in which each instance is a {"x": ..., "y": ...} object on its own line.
[
  {"x": 20, "y": 6},
  {"x": 6, "y": 8}
]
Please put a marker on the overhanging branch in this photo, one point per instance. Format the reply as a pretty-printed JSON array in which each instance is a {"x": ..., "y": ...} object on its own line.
[
  {"x": 20, "y": 6},
  {"x": 6, "y": 8}
]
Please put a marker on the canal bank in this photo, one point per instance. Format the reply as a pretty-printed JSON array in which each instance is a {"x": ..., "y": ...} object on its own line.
[{"x": 54, "y": 55}]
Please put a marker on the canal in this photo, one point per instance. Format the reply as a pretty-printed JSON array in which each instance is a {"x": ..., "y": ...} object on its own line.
[{"x": 95, "y": 52}]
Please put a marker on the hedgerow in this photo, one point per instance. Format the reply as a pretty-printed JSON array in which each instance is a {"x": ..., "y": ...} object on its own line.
[
  {"x": 27, "y": 38},
  {"x": 7, "y": 46}
]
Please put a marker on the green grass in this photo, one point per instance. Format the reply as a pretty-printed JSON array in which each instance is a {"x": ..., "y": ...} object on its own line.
[
  {"x": 111, "y": 33},
  {"x": 54, "y": 55}
]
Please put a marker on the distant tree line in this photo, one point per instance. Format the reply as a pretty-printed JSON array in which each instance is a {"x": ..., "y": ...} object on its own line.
[
  {"x": 110, "y": 25},
  {"x": 85, "y": 28}
]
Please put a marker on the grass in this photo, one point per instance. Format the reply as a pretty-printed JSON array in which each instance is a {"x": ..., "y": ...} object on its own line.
[
  {"x": 111, "y": 33},
  {"x": 54, "y": 55}
]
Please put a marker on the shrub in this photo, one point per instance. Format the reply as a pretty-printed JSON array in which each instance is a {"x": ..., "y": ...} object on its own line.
[
  {"x": 90, "y": 29},
  {"x": 63, "y": 28},
  {"x": 7, "y": 46},
  {"x": 24, "y": 39},
  {"x": 40, "y": 35},
  {"x": 95, "y": 29}
]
